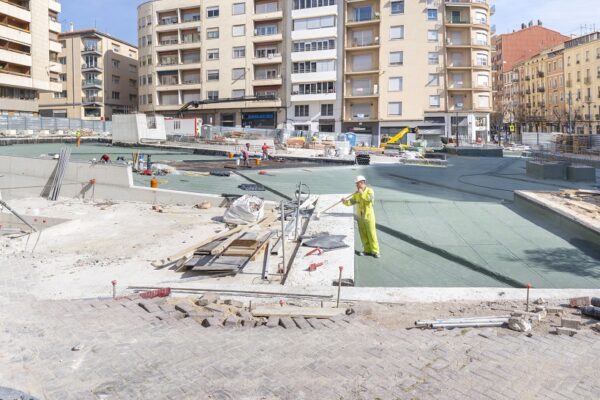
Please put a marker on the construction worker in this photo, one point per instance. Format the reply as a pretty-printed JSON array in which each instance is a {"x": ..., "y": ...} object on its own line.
[
  {"x": 363, "y": 199},
  {"x": 78, "y": 137},
  {"x": 265, "y": 151},
  {"x": 246, "y": 155}
]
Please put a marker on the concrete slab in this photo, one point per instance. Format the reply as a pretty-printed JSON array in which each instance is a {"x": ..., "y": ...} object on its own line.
[{"x": 340, "y": 221}]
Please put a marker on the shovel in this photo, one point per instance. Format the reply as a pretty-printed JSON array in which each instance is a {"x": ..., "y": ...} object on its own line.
[{"x": 318, "y": 215}]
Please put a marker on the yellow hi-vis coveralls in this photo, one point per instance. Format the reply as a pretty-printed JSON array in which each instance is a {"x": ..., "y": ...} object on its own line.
[{"x": 365, "y": 215}]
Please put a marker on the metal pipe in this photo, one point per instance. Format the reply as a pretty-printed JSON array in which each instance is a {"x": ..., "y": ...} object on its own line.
[
  {"x": 283, "y": 237},
  {"x": 3, "y": 203},
  {"x": 339, "y": 287},
  {"x": 296, "y": 234},
  {"x": 470, "y": 325}
]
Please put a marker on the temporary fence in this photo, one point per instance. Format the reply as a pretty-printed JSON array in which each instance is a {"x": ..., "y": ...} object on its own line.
[{"x": 52, "y": 124}]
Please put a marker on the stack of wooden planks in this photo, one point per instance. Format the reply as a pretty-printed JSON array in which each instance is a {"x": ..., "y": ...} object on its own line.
[{"x": 226, "y": 252}]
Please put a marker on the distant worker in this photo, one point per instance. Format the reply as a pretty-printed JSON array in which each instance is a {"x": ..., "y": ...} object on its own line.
[
  {"x": 363, "y": 199},
  {"x": 78, "y": 138},
  {"x": 105, "y": 158},
  {"x": 246, "y": 155},
  {"x": 265, "y": 151},
  {"x": 314, "y": 138}
]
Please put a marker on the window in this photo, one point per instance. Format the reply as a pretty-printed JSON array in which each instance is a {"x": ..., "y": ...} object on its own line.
[
  {"x": 433, "y": 80},
  {"x": 397, "y": 7},
  {"x": 60, "y": 95},
  {"x": 265, "y": 30},
  {"x": 313, "y": 88},
  {"x": 62, "y": 77},
  {"x": 432, "y": 14},
  {"x": 238, "y": 73},
  {"x": 132, "y": 68},
  {"x": 434, "y": 101},
  {"x": 238, "y": 93},
  {"x": 433, "y": 58},
  {"x": 132, "y": 83},
  {"x": 432, "y": 35},
  {"x": 62, "y": 60},
  {"x": 212, "y": 75},
  {"x": 238, "y": 30},
  {"x": 302, "y": 4},
  {"x": 397, "y": 32},
  {"x": 395, "y": 108},
  {"x": 396, "y": 58},
  {"x": 326, "y": 110},
  {"x": 484, "y": 101},
  {"x": 239, "y": 8},
  {"x": 116, "y": 95},
  {"x": 266, "y": 52},
  {"x": 149, "y": 60},
  {"x": 115, "y": 63},
  {"x": 483, "y": 80},
  {"x": 395, "y": 84},
  {"x": 326, "y": 44},
  {"x": 239, "y": 52},
  {"x": 314, "y": 23},
  {"x": 212, "y": 33},
  {"x": 116, "y": 79},
  {"x": 212, "y": 12},
  {"x": 301, "y": 110},
  {"x": 313, "y": 66},
  {"x": 212, "y": 94},
  {"x": 212, "y": 54},
  {"x": 362, "y": 62},
  {"x": 149, "y": 79}
]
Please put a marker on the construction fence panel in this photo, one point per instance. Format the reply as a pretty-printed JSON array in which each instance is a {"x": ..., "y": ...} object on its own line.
[{"x": 36, "y": 124}]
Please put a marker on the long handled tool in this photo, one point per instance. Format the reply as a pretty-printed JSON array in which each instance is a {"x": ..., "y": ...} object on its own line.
[{"x": 318, "y": 215}]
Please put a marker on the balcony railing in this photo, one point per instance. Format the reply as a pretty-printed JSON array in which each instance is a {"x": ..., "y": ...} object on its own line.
[
  {"x": 168, "y": 61},
  {"x": 191, "y": 81},
  {"x": 265, "y": 32},
  {"x": 190, "y": 39},
  {"x": 168, "y": 21},
  {"x": 93, "y": 99},
  {"x": 540, "y": 74},
  {"x": 171, "y": 80},
  {"x": 91, "y": 82},
  {"x": 193, "y": 60},
  {"x": 363, "y": 43},
  {"x": 193, "y": 18},
  {"x": 168, "y": 42},
  {"x": 541, "y": 89},
  {"x": 266, "y": 76},
  {"x": 90, "y": 66},
  {"x": 374, "y": 16},
  {"x": 21, "y": 4}
]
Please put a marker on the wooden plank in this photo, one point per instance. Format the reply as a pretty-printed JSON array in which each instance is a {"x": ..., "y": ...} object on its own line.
[
  {"x": 224, "y": 244},
  {"x": 294, "y": 312},
  {"x": 222, "y": 264}
]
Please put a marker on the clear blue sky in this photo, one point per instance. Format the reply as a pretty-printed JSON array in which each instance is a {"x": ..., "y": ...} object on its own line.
[{"x": 118, "y": 17}]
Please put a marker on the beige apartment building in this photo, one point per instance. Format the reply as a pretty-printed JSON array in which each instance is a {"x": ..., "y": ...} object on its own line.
[
  {"x": 582, "y": 75},
  {"x": 363, "y": 66},
  {"x": 98, "y": 77},
  {"x": 29, "y": 49}
]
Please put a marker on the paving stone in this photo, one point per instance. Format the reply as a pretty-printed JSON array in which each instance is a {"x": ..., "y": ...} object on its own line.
[
  {"x": 234, "y": 303},
  {"x": 232, "y": 321},
  {"x": 248, "y": 323},
  {"x": 287, "y": 322},
  {"x": 149, "y": 306},
  {"x": 301, "y": 323},
  {"x": 555, "y": 310},
  {"x": 565, "y": 331},
  {"x": 571, "y": 323},
  {"x": 272, "y": 322},
  {"x": 580, "y": 301},
  {"x": 185, "y": 308},
  {"x": 212, "y": 322},
  {"x": 208, "y": 298},
  {"x": 315, "y": 323}
]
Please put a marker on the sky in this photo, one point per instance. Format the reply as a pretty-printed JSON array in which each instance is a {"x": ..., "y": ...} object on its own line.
[{"x": 119, "y": 17}]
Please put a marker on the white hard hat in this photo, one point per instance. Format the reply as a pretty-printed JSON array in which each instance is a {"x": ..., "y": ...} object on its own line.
[{"x": 360, "y": 178}]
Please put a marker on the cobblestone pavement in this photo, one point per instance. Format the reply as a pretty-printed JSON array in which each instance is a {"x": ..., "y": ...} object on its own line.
[{"x": 100, "y": 349}]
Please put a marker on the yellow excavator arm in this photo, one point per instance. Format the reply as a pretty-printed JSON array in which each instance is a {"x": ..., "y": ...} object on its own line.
[{"x": 396, "y": 138}]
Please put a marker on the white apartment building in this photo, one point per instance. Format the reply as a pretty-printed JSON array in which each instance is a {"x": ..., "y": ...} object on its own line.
[
  {"x": 29, "y": 51},
  {"x": 370, "y": 67},
  {"x": 316, "y": 74}
]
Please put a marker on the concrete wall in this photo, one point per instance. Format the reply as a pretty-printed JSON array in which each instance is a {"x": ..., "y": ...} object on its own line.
[{"x": 26, "y": 177}]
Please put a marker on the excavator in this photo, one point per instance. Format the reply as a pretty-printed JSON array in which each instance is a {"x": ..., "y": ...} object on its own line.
[{"x": 390, "y": 141}]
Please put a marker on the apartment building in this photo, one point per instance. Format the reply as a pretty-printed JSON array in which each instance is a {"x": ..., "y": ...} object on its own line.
[
  {"x": 316, "y": 72},
  {"x": 98, "y": 77},
  {"x": 511, "y": 49},
  {"x": 582, "y": 76},
  {"x": 29, "y": 49},
  {"x": 222, "y": 53},
  {"x": 361, "y": 66}
]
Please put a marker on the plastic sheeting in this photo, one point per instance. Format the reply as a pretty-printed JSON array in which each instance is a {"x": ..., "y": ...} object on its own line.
[
  {"x": 327, "y": 242},
  {"x": 245, "y": 210}
]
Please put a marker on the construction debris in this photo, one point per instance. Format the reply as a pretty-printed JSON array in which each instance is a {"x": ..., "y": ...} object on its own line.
[
  {"x": 471, "y": 322},
  {"x": 591, "y": 311},
  {"x": 246, "y": 209},
  {"x": 579, "y": 301},
  {"x": 519, "y": 324}
]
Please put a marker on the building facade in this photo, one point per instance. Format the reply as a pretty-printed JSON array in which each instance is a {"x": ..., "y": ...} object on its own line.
[
  {"x": 582, "y": 76},
  {"x": 29, "y": 49},
  {"x": 511, "y": 49},
  {"x": 367, "y": 67},
  {"x": 98, "y": 77}
]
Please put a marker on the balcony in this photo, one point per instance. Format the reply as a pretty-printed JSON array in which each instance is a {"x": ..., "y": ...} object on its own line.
[
  {"x": 171, "y": 20},
  {"x": 90, "y": 67},
  {"x": 166, "y": 61},
  {"x": 569, "y": 83},
  {"x": 92, "y": 50},
  {"x": 55, "y": 6},
  {"x": 361, "y": 93},
  {"x": 541, "y": 89},
  {"x": 355, "y": 19},
  {"x": 92, "y": 100},
  {"x": 540, "y": 74},
  {"x": 91, "y": 83},
  {"x": 168, "y": 42},
  {"x": 267, "y": 79},
  {"x": 362, "y": 44},
  {"x": 270, "y": 59},
  {"x": 480, "y": 3},
  {"x": 15, "y": 57},
  {"x": 14, "y": 10},
  {"x": 267, "y": 12},
  {"x": 266, "y": 36}
]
